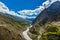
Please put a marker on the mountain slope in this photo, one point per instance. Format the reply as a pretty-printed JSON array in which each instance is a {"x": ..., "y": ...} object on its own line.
[
  {"x": 11, "y": 29},
  {"x": 48, "y": 13},
  {"x": 47, "y": 23}
]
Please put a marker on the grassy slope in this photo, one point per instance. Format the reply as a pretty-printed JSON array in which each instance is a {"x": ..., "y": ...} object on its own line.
[
  {"x": 52, "y": 32},
  {"x": 49, "y": 31},
  {"x": 11, "y": 29}
]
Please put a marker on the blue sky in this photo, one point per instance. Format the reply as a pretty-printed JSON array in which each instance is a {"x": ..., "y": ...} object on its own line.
[
  {"x": 17, "y": 5},
  {"x": 27, "y": 9}
]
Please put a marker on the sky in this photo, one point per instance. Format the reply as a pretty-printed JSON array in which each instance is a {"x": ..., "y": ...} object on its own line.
[
  {"x": 27, "y": 9},
  {"x": 17, "y": 5}
]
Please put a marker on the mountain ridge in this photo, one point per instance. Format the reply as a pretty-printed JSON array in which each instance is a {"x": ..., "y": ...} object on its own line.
[
  {"x": 11, "y": 29},
  {"x": 47, "y": 23},
  {"x": 53, "y": 9}
]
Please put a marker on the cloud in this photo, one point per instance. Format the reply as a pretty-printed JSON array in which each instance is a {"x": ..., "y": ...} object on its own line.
[
  {"x": 3, "y": 8},
  {"x": 31, "y": 12},
  {"x": 27, "y": 14},
  {"x": 38, "y": 10}
]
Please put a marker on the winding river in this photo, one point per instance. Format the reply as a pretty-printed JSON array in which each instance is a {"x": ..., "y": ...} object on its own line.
[{"x": 26, "y": 35}]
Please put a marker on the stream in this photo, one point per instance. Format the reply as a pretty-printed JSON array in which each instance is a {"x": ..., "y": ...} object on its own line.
[{"x": 26, "y": 35}]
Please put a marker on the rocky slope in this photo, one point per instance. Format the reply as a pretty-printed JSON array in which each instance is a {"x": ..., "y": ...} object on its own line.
[
  {"x": 47, "y": 13},
  {"x": 47, "y": 23},
  {"x": 11, "y": 29}
]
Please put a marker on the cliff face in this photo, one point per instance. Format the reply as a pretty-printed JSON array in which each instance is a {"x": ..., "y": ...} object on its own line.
[
  {"x": 11, "y": 29},
  {"x": 48, "y": 23}
]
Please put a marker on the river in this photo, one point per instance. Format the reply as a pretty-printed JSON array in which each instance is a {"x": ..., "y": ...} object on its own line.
[{"x": 26, "y": 35}]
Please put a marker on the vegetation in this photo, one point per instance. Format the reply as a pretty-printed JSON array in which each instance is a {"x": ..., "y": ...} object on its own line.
[
  {"x": 11, "y": 29},
  {"x": 51, "y": 36},
  {"x": 52, "y": 32}
]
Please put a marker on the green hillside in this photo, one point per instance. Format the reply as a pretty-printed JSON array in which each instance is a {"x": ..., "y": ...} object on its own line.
[
  {"x": 11, "y": 29},
  {"x": 52, "y": 31},
  {"x": 46, "y": 26}
]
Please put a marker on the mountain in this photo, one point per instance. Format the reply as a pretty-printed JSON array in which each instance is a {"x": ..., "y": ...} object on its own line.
[
  {"x": 47, "y": 14},
  {"x": 14, "y": 17},
  {"x": 46, "y": 26},
  {"x": 11, "y": 29},
  {"x": 17, "y": 16}
]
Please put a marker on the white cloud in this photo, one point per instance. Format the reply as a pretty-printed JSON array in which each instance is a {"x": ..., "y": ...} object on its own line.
[
  {"x": 38, "y": 10},
  {"x": 5, "y": 9},
  {"x": 24, "y": 13},
  {"x": 31, "y": 12}
]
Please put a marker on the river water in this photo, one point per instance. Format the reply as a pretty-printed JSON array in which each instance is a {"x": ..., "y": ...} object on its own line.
[{"x": 26, "y": 35}]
